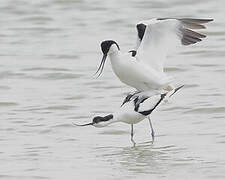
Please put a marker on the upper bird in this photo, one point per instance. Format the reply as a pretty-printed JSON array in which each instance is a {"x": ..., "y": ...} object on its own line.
[{"x": 143, "y": 67}]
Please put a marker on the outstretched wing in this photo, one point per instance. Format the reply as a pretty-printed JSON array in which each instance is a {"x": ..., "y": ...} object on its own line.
[{"x": 157, "y": 37}]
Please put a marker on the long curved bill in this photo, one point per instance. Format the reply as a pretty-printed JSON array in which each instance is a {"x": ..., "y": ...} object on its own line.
[
  {"x": 88, "y": 124},
  {"x": 101, "y": 66}
]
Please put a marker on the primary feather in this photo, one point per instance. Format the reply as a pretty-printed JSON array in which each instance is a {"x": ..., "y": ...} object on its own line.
[{"x": 158, "y": 37}]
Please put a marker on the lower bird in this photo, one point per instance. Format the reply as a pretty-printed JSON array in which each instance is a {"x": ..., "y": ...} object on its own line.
[{"x": 135, "y": 108}]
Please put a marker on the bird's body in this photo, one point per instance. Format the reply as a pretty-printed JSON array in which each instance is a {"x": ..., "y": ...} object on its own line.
[
  {"x": 135, "y": 108},
  {"x": 138, "y": 108},
  {"x": 143, "y": 67},
  {"x": 135, "y": 73}
]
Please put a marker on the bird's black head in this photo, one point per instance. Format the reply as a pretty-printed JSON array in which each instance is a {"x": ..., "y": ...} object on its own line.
[
  {"x": 141, "y": 30},
  {"x": 105, "y": 46},
  {"x": 98, "y": 121}
]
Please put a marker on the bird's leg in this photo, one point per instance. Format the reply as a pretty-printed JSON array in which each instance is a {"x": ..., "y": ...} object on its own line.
[
  {"x": 132, "y": 134},
  {"x": 153, "y": 133}
]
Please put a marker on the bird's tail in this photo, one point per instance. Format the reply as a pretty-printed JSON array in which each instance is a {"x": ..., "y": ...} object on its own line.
[
  {"x": 171, "y": 93},
  {"x": 167, "y": 95}
]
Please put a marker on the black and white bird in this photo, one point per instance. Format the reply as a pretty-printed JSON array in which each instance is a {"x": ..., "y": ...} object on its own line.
[
  {"x": 135, "y": 108},
  {"x": 143, "y": 67}
]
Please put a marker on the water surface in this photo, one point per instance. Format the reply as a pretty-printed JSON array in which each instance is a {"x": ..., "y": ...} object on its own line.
[{"x": 49, "y": 50}]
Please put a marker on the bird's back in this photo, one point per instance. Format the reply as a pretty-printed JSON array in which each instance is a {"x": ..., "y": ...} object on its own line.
[{"x": 137, "y": 106}]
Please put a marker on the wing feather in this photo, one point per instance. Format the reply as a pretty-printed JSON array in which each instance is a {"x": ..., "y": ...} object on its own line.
[{"x": 158, "y": 37}]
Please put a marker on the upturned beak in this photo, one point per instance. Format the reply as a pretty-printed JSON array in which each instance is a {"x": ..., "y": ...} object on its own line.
[
  {"x": 101, "y": 66},
  {"x": 88, "y": 124}
]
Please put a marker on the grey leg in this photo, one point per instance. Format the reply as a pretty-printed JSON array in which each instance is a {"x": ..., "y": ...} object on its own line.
[
  {"x": 153, "y": 133},
  {"x": 132, "y": 134}
]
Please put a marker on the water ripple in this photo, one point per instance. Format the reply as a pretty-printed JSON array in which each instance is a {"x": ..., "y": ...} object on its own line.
[
  {"x": 8, "y": 104},
  {"x": 58, "y": 76},
  {"x": 207, "y": 110},
  {"x": 22, "y": 177},
  {"x": 45, "y": 69}
]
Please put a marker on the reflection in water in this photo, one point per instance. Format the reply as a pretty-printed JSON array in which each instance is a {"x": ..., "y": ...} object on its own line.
[{"x": 144, "y": 158}]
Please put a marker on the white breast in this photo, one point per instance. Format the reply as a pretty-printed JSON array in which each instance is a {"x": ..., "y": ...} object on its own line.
[{"x": 135, "y": 73}]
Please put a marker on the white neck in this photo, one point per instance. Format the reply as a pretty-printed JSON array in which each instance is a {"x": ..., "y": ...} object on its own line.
[
  {"x": 114, "y": 57},
  {"x": 114, "y": 53}
]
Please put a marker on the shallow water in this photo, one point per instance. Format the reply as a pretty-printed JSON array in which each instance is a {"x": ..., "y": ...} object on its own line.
[{"x": 49, "y": 50}]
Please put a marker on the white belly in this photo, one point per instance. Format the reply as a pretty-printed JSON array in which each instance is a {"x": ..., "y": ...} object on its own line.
[
  {"x": 137, "y": 75},
  {"x": 132, "y": 118},
  {"x": 127, "y": 114}
]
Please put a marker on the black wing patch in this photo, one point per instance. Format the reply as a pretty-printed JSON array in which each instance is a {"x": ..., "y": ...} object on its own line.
[
  {"x": 147, "y": 112},
  {"x": 133, "y": 53},
  {"x": 138, "y": 101},
  {"x": 141, "y": 30},
  {"x": 189, "y": 36},
  {"x": 128, "y": 98}
]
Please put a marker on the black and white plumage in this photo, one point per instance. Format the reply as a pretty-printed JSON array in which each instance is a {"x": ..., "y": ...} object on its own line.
[
  {"x": 157, "y": 37},
  {"x": 135, "y": 108},
  {"x": 143, "y": 67}
]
